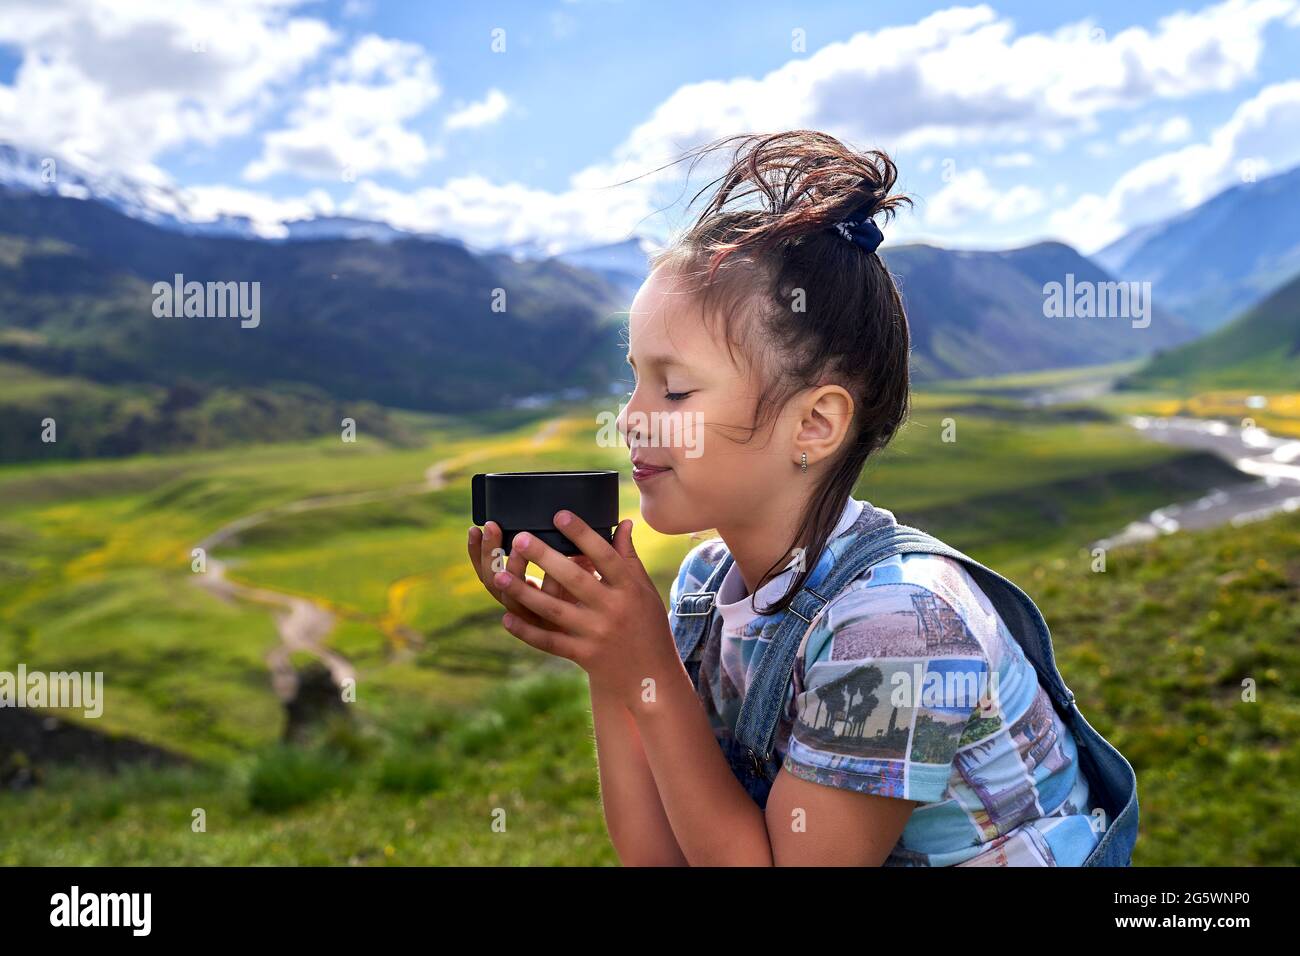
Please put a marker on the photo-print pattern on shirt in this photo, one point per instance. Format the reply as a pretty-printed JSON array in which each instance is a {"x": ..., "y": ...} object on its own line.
[{"x": 909, "y": 685}]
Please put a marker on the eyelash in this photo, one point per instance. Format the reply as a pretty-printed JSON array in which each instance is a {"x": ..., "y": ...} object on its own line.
[{"x": 670, "y": 396}]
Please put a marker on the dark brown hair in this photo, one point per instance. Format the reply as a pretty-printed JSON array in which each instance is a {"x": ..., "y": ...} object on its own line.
[{"x": 761, "y": 260}]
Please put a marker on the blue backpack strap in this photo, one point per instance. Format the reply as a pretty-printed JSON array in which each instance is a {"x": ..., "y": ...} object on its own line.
[
  {"x": 765, "y": 695},
  {"x": 694, "y": 610},
  {"x": 756, "y": 724},
  {"x": 1013, "y": 605},
  {"x": 1112, "y": 780}
]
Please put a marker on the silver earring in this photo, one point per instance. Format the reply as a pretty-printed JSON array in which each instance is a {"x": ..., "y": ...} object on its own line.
[{"x": 804, "y": 465}]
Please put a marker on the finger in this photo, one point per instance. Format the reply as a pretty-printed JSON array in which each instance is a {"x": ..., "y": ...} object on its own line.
[
  {"x": 491, "y": 557},
  {"x": 584, "y": 562},
  {"x": 517, "y": 563},
  {"x": 497, "y": 558},
  {"x": 488, "y": 538},
  {"x": 624, "y": 546},
  {"x": 578, "y": 581},
  {"x": 560, "y": 614},
  {"x": 551, "y": 642},
  {"x": 480, "y": 555},
  {"x": 553, "y": 587},
  {"x": 476, "y": 550},
  {"x": 487, "y": 557},
  {"x": 606, "y": 560}
]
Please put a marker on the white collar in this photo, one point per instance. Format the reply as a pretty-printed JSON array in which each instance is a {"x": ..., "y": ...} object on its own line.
[{"x": 735, "y": 606}]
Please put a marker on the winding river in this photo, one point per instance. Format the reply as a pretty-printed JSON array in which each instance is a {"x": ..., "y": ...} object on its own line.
[{"x": 1273, "y": 461}]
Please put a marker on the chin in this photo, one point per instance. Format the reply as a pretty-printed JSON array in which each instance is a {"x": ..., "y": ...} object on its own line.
[{"x": 664, "y": 519}]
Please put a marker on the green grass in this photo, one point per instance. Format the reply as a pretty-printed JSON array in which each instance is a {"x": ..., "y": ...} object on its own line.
[
  {"x": 95, "y": 573},
  {"x": 1255, "y": 351},
  {"x": 1157, "y": 649},
  {"x": 1036, "y": 381},
  {"x": 1156, "y": 658},
  {"x": 525, "y": 758}
]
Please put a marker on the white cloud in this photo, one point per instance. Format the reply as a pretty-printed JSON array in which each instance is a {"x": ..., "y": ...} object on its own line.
[
  {"x": 958, "y": 76},
  {"x": 482, "y": 113},
  {"x": 354, "y": 123},
  {"x": 970, "y": 195},
  {"x": 1173, "y": 130},
  {"x": 964, "y": 75},
  {"x": 1263, "y": 132},
  {"x": 121, "y": 83},
  {"x": 487, "y": 214},
  {"x": 116, "y": 84},
  {"x": 267, "y": 213}
]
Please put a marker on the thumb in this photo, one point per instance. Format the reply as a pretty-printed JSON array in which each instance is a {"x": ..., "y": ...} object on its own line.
[{"x": 623, "y": 541}]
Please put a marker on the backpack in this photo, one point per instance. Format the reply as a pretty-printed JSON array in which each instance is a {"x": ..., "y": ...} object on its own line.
[{"x": 1111, "y": 779}]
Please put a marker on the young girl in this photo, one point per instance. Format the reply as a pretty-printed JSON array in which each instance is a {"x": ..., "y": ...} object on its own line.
[{"x": 804, "y": 701}]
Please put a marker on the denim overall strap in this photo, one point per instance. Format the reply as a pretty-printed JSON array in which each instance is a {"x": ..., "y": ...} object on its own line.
[
  {"x": 760, "y": 709},
  {"x": 694, "y": 610}
]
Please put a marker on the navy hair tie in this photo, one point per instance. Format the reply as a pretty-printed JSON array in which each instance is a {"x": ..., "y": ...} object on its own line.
[{"x": 860, "y": 229}]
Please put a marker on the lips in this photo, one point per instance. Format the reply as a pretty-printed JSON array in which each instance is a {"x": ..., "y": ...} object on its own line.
[{"x": 643, "y": 469}]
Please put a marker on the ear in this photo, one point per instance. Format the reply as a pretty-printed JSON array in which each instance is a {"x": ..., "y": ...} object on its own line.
[{"x": 825, "y": 414}]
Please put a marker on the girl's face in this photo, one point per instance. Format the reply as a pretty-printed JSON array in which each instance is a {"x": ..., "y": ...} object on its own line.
[{"x": 690, "y": 414}]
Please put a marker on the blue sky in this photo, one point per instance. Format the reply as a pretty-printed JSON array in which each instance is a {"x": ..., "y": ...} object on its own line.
[{"x": 1011, "y": 122}]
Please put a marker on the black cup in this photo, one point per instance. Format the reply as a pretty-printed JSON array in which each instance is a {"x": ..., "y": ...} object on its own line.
[{"x": 521, "y": 501}]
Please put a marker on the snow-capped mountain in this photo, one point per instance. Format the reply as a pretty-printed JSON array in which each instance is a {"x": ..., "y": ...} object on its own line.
[
  {"x": 624, "y": 264},
  {"x": 629, "y": 256},
  {"x": 27, "y": 172},
  {"x": 529, "y": 250},
  {"x": 24, "y": 171},
  {"x": 345, "y": 227}
]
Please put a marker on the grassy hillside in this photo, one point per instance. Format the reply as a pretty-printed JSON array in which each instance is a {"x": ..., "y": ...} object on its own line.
[
  {"x": 107, "y": 421},
  {"x": 1155, "y": 656},
  {"x": 1157, "y": 649},
  {"x": 414, "y": 323},
  {"x": 1017, "y": 483},
  {"x": 1259, "y": 350},
  {"x": 454, "y": 717}
]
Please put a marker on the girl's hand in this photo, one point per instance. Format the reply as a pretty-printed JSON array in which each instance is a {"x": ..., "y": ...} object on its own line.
[
  {"x": 616, "y": 629},
  {"x": 483, "y": 544}
]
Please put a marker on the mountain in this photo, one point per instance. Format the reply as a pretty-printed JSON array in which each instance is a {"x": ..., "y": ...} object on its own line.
[
  {"x": 412, "y": 323},
  {"x": 24, "y": 172},
  {"x": 971, "y": 313},
  {"x": 345, "y": 227},
  {"x": 364, "y": 313},
  {"x": 1258, "y": 350},
  {"x": 1215, "y": 261},
  {"x": 977, "y": 313},
  {"x": 622, "y": 264}
]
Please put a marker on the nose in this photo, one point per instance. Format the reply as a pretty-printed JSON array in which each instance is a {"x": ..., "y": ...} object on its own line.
[{"x": 626, "y": 416}]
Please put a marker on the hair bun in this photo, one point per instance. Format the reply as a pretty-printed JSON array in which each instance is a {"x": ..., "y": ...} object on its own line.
[{"x": 805, "y": 182}]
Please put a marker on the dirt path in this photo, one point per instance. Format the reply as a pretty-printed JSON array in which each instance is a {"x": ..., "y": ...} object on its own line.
[{"x": 304, "y": 623}]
